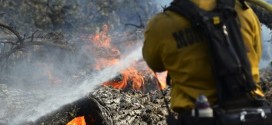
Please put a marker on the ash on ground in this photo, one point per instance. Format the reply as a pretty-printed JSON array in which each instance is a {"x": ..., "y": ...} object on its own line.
[{"x": 134, "y": 107}]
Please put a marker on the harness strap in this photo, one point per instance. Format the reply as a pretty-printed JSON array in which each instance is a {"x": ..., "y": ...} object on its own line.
[{"x": 190, "y": 11}]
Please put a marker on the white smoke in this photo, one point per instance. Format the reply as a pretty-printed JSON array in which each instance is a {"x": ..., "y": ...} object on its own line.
[
  {"x": 163, "y": 2},
  {"x": 267, "y": 48},
  {"x": 68, "y": 94},
  {"x": 29, "y": 94}
]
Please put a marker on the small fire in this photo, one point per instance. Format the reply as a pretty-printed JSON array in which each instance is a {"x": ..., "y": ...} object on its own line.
[
  {"x": 81, "y": 120},
  {"x": 106, "y": 55},
  {"x": 129, "y": 75},
  {"x": 100, "y": 47},
  {"x": 102, "y": 38},
  {"x": 77, "y": 121}
]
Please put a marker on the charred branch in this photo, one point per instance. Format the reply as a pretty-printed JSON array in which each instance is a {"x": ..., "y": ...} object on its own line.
[
  {"x": 50, "y": 44},
  {"x": 32, "y": 43},
  {"x": 12, "y": 43},
  {"x": 140, "y": 26},
  {"x": 20, "y": 39},
  {"x": 24, "y": 42},
  {"x": 32, "y": 36},
  {"x": 135, "y": 25}
]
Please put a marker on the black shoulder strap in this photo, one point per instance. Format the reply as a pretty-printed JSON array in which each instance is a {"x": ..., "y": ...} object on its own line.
[
  {"x": 196, "y": 15},
  {"x": 244, "y": 5},
  {"x": 190, "y": 11},
  {"x": 225, "y": 3},
  {"x": 187, "y": 9}
]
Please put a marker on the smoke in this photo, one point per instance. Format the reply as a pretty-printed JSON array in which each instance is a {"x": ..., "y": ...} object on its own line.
[
  {"x": 163, "y": 2},
  {"x": 43, "y": 78},
  {"x": 68, "y": 94},
  {"x": 266, "y": 48},
  {"x": 40, "y": 79}
]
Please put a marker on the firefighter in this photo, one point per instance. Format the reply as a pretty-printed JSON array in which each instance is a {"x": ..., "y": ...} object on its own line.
[{"x": 189, "y": 67}]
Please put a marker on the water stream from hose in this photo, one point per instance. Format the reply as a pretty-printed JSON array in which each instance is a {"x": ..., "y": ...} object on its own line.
[{"x": 66, "y": 96}]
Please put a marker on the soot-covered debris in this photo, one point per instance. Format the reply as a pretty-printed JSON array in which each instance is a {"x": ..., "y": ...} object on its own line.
[
  {"x": 128, "y": 107},
  {"x": 134, "y": 107}
]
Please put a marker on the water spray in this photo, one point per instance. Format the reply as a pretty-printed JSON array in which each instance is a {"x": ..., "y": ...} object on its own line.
[{"x": 69, "y": 95}]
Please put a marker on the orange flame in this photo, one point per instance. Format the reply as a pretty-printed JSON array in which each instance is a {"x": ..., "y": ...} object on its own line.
[
  {"x": 81, "y": 120},
  {"x": 102, "y": 38},
  {"x": 137, "y": 81},
  {"x": 129, "y": 75},
  {"x": 100, "y": 46},
  {"x": 77, "y": 121}
]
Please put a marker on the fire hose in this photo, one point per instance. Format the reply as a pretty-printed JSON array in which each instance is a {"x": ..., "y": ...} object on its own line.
[{"x": 262, "y": 4}]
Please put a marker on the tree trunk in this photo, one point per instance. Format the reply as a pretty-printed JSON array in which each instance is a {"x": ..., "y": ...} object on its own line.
[{"x": 92, "y": 110}]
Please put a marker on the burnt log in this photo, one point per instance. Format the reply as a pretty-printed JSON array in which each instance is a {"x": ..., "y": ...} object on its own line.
[
  {"x": 118, "y": 108},
  {"x": 135, "y": 107},
  {"x": 92, "y": 110}
]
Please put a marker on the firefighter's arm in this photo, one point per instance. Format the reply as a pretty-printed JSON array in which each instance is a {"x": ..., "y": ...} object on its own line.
[
  {"x": 257, "y": 38},
  {"x": 258, "y": 49},
  {"x": 152, "y": 48}
]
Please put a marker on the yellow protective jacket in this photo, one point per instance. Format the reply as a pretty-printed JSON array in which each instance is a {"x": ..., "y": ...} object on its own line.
[{"x": 189, "y": 67}]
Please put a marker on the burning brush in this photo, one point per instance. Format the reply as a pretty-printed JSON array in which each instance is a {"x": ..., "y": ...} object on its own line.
[{"x": 130, "y": 80}]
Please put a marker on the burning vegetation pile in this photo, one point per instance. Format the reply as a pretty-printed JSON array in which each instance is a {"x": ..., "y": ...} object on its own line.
[
  {"x": 133, "y": 103},
  {"x": 56, "y": 45},
  {"x": 132, "y": 107},
  {"x": 123, "y": 106}
]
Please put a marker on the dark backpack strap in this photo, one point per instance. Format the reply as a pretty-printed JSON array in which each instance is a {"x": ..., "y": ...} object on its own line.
[
  {"x": 244, "y": 5},
  {"x": 228, "y": 6},
  {"x": 188, "y": 10},
  {"x": 231, "y": 3},
  {"x": 195, "y": 15},
  {"x": 225, "y": 3}
]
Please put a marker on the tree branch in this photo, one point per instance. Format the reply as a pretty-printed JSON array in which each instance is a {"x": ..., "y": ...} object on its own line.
[
  {"x": 12, "y": 43},
  {"x": 141, "y": 25},
  {"x": 20, "y": 39}
]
